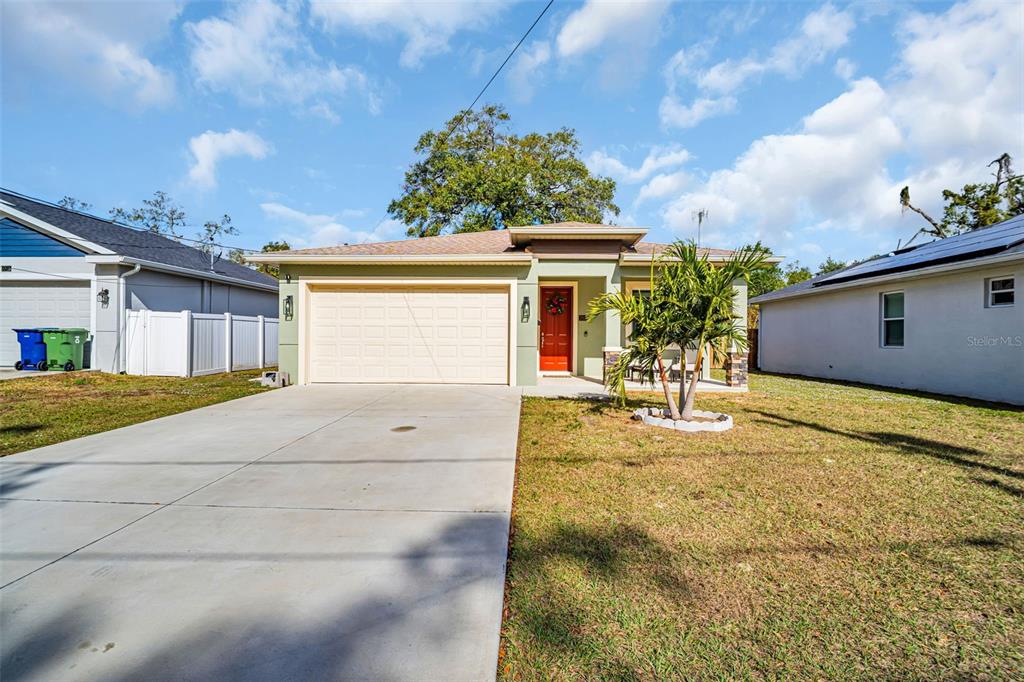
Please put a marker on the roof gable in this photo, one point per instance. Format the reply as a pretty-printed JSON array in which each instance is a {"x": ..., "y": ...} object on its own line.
[
  {"x": 20, "y": 241},
  {"x": 132, "y": 243}
]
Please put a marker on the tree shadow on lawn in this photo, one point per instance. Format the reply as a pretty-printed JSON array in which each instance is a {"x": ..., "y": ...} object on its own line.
[
  {"x": 947, "y": 452},
  {"x": 20, "y": 429},
  {"x": 621, "y": 557},
  {"x": 940, "y": 397}
]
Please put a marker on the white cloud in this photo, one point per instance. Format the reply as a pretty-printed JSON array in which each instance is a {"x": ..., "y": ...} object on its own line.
[
  {"x": 822, "y": 32},
  {"x": 601, "y": 21},
  {"x": 100, "y": 47},
  {"x": 211, "y": 147},
  {"x": 845, "y": 69},
  {"x": 524, "y": 75},
  {"x": 257, "y": 52},
  {"x": 622, "y": 32},
  {"x": 426, "y": 26},
  {"x": 663, "y": 185},
  {"x": 675, "y": 114},
  {"x": 658, "y": 158},
  {"x": 952, "y": 104},
  {"x": 311, "y": 229},
  {"x": 829, "y": 166}
]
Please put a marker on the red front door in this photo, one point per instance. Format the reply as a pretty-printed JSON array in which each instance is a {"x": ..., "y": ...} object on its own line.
[{"x": 556, "y": 317}]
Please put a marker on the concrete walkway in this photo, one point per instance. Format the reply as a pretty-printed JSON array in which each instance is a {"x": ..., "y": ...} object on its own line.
[{"x": 326, "y": 532}]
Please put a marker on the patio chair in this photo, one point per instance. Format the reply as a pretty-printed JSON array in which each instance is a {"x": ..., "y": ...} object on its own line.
[{"x": 635, "y": 372}]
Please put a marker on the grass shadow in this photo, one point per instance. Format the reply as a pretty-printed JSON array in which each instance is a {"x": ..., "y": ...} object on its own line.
[
  {"x": 20, "y": 429},
  {"x": 947, "y": 452},
  {"x": 941, "y": 397}
]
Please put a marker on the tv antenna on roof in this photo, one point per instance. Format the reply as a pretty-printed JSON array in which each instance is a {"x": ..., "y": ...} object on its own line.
[{"x": 700, "y": 216}]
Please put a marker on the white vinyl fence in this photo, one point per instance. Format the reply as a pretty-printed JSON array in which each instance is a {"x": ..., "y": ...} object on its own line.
[{"x": 192, "y": 344}]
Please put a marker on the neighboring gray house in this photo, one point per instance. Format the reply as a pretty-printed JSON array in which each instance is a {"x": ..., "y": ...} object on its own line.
[
  {"x": 945, "y": 317},
  {"x": 70, "y": 269}
]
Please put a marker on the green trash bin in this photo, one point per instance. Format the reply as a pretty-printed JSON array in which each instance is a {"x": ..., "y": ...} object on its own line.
[{"x": 65, "y": 348}]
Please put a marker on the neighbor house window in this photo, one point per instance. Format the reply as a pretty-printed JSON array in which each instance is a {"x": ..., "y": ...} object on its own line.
[
  {"x": 892, "y": 319},
  {"x": 1000, "y": 292}
]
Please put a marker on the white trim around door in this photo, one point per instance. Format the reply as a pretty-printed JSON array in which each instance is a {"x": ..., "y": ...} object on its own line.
[{"x": 541, "y": 284}]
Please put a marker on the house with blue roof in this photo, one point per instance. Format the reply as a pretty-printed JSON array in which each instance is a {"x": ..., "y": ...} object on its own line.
[
  {"x": 65, "y": 268},
  {"x": 943, "y": 317}
]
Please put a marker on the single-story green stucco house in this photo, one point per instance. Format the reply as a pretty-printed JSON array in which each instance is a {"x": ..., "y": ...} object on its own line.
[{"x": 499, "y": 307}]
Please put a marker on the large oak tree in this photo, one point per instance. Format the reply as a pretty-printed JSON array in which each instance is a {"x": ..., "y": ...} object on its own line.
[{"x": 475, "y": 175}]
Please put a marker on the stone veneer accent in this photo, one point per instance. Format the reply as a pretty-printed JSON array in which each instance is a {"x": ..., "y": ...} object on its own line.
[
  {"x": 611, "y": 356},
  {"x": 736, "y": 369}
]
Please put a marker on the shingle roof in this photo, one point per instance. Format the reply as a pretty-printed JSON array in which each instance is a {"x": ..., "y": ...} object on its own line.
[
  {"x": 487, "y": 243},
  {"x": 466, "y": 243},
  {"x": 138, "y": 244}
]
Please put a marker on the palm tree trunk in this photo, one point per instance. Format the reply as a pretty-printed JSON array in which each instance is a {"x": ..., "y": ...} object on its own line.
[
  {"x": 682, "y": 375},
  {"x": 692, "y": 393},
  {"x": 666, "y": 386}
]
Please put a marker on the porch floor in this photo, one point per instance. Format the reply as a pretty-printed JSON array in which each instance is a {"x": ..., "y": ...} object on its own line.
[{"x": 579, "y": 387}]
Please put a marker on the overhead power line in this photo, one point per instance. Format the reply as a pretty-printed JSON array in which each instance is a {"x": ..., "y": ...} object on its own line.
[
  {"x": 463, "y": 113},
  {"x": 511, "y": 54}
]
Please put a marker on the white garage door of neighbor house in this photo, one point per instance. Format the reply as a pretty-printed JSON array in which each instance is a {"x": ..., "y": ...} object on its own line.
[
  {"x": 422, "y": 335},
  {"x": 39, "y": 304}
]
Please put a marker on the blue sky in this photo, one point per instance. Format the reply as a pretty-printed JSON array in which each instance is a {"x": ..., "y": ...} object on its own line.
[{"x": 793, "y": 123}]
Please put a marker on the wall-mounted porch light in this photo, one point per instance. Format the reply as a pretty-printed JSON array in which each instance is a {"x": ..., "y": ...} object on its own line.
[
  {"x": 289, "y": 307},
  {"x": 103, "y": 296},
  {"x": 525, "y": 309}
]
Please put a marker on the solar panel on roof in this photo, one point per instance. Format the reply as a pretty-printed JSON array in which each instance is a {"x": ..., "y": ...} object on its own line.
[{"x": 971, "y": 244}]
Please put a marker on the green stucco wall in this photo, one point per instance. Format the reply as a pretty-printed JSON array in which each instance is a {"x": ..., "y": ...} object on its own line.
[{"x": 591, "y": 278}]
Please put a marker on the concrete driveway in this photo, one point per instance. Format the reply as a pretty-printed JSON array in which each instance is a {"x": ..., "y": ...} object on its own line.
[{"x": 323, "y": 532}]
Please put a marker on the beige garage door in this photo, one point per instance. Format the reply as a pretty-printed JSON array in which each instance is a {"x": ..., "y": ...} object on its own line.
[{"x": 422, "y": 335}]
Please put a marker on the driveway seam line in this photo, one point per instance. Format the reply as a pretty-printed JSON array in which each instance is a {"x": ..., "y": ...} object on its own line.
[
  {"x": 197, "y": 505},
  {"x": 192, "y": 492}
]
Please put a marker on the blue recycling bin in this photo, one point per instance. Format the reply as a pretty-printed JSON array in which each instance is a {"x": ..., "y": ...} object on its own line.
[{"x": 33, "y": 349}]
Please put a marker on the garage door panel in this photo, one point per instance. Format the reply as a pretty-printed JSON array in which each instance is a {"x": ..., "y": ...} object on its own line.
[
  {"x": 427, "y": 334},
  {"x": 40, "y": 304}
]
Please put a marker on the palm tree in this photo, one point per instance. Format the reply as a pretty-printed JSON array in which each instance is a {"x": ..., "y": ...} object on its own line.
[
  {"x": 700, "y": 298},
  {"x": 653, "y": 332}
]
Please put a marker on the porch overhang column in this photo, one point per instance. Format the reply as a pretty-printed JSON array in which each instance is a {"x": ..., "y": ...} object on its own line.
[
  {"x": 736, "y": 359},
  {"x": 612, "y": 326}
]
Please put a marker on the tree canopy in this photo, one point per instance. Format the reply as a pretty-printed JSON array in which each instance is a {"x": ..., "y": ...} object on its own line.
[
  {"x": 238, "y": 256},
  {"x": 475, "y": 175},
  {"x": 162, "y": 215},
  {"x": 976, "y": 205}
]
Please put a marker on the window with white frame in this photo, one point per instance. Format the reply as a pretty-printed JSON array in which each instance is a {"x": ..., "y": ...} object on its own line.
[
  {"x": 638, "y": 292},
  {"x": 999, "y": 292},
  {"x": 892, "y": 319}
]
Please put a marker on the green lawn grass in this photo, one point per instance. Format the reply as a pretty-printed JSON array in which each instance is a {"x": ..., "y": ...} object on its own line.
[
  {"x": 54, "y": 407},
  {"x": 836, "y": 532}
]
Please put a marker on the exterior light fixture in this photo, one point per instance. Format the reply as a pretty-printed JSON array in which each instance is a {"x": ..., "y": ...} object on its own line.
[
  {"x": 289, "y": 307},
  {"x": 103, "y": 296},
  {"x": 525, "y": 309}
]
